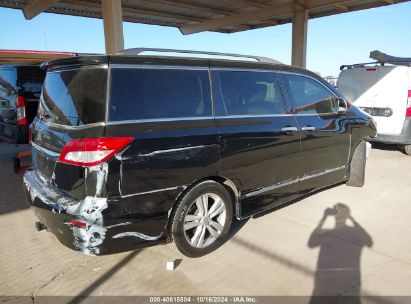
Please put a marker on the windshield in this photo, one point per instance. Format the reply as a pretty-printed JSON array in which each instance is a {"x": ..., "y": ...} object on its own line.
[{"x": 74, "y": 97}]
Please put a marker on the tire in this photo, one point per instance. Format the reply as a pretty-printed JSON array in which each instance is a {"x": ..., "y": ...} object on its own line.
[
  {"x": 357, "y": 166},
  {"x": 407, "y": 149},
  {"x": 206, "y": 233}
]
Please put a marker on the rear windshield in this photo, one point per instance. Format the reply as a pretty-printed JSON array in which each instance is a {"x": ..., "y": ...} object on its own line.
[
  {"x": 139, "y": 93},
  {"x": 74, "y": 97}
]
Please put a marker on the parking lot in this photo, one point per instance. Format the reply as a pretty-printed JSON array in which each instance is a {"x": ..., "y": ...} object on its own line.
[{"x": 290, "y": 251}]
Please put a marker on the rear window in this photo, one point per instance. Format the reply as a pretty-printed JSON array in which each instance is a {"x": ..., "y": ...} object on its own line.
[
  {"x": 139, "y": 93},
  {"x": 74, "y": 97}
]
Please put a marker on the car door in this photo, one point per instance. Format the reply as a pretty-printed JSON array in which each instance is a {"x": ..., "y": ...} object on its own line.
[
  {"x": 259, "y": 140},
  {"x": 325, "y": 136}
]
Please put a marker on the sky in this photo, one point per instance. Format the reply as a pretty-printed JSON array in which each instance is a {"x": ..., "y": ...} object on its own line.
[{"x": 332, "y": 41}]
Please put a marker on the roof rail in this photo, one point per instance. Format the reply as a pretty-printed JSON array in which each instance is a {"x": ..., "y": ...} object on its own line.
[
  {"x": 382, "y": 59},
  {"x": 358, "y": 65},
  {"x": 137, "y": 51}
]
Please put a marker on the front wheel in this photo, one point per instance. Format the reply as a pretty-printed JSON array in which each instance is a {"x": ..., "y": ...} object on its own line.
[
  {"x": 202, "y": 219},
  {"x": 357, "y": 166},
  {"x": 407, "y": 149}
]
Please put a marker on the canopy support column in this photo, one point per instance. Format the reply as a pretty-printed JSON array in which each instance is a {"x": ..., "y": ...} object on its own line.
[
  {"x": 113, "y": 26},
  {"x": 299, "y": 37}
]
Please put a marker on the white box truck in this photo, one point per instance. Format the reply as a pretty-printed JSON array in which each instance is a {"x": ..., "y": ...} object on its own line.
[{"x": 382, "y": 89}]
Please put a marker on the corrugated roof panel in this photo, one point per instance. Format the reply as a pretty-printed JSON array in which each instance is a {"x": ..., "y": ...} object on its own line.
[{"x": 177, "y": 13}]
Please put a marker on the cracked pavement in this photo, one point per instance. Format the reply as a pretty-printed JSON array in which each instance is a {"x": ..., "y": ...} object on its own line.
[{"x": 287, "y": 252}]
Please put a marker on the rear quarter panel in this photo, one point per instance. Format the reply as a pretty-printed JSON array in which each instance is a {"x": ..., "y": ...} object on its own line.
[{"x": 165, "y": 158}]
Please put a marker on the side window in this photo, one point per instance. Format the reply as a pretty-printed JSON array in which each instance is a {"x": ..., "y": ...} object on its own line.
[
  {"x": 251, "y": 93},
  {"x": 309, "y": 96},
  {"x": 138, "y": 93},
  {"x": 8, "y": 81}
]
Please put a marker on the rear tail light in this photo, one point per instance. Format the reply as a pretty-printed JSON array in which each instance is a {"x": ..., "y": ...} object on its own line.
[
  {"x": 90, "y": 152},
  {"x": 21, "y": 111},
  {"x": 78, "y": 224},
  {"x": 408, "y": 113}
]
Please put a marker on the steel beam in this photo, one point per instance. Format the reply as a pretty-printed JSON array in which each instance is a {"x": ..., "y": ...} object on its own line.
[
  {"x": 113, "y": 25},
  {"x": 299, "y": 37},
  {"x": 269, "y": 12},
  {"x": 36, "y": 7}
]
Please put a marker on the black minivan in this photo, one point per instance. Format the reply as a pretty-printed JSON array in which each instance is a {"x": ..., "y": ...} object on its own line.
[
  {"x": 131, "y": 151},
  {"x": 20, "y": 88}
]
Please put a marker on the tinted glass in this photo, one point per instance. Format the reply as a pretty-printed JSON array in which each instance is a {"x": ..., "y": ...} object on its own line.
[
  {"x": 158, "y": 93},
  {"x": 8, "y": 80},
  {"x": 251, "y": 93},
  {"x": 309, "y": 96},
  {"x": 74, "y": 97},
  {"x": 31, "y": 79},
  {"x": 8, "y": 95}
]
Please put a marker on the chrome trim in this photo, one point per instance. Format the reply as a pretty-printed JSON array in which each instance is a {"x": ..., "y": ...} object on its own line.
[
  {"x": 120, "y": 122},
  {"x": 137, "y": 51},
  {"x": 254, "y": 116},
  {"x": 288, "y": 129},
  {"x": 56, "y": 125},
  {"x": 321, "y": 173},
  {"x": 308, "y": 129},
  {"x": 172, "y": 150},
  {"x": 257, "y": 69},
  {"x": 108, "y": 96},
  {"x": 58, "y": 69},
  {"x": 157, "y": 67},
  {"x": 290, "y": 182},
  {"x": 269, "y": 188},
  {"x": 153, "y": 191},
  {"x": 44, "y": 150}
]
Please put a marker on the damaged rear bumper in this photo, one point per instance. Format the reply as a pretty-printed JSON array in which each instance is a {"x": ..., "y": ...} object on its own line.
[{"x": 104, "y": 232}]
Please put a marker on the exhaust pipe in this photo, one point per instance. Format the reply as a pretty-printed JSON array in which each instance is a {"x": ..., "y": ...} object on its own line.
[{"x": 40, "y": 226}]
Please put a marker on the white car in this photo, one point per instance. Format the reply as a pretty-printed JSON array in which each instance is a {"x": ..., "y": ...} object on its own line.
[{"x": 382, "y": 89}]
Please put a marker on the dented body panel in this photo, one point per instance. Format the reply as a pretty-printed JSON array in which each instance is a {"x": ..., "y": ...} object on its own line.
[{"x": 126, "y": 202}]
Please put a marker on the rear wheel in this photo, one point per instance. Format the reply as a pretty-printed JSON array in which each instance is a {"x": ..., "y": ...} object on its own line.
[
  {"x": 407, "y": 149},
  {"x": 357, "y": 166},
  {"x": 202, "y": 219}
]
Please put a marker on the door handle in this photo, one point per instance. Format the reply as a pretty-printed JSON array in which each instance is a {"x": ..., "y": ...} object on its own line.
[
  {"x": 289, "y": 129},
  {"x": 308, "y": 128}
]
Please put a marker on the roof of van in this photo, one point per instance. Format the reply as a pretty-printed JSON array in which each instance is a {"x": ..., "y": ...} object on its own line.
[
  {"x": 122, "y": 59},
  {"x": 169, "y": 60}
]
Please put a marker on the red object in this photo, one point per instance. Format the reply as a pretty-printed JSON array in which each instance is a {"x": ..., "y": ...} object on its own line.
[
  {"x": 78, "y": 224},
  {"x": 370, "y": 69},
  {"x": 2, "y": 51},
  {"x": 90, "y": 152},
  {"x": 408, "y": 113},
  {"x": 21, "y": 111},
  {"x": 18, "y": 168}
]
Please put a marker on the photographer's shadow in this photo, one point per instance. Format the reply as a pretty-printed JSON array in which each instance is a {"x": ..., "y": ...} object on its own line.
[{"x": 338, "y": 267}]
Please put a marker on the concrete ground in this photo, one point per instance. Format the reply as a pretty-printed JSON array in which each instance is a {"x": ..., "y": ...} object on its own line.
[{"x": 291, "y": 251}]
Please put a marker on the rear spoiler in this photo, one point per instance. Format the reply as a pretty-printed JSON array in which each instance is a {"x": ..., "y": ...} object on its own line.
[{"x": 381, "y": 59}]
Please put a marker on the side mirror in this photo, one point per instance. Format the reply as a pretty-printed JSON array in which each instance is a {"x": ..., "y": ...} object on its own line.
[{"x": 342, "y": 106}]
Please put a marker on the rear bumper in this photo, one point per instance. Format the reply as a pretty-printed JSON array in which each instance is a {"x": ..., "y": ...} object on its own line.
[
  {"x": 404, "y": 138},
  {"x": 102, "y": 234},
  {"x": 14, "y": 134}
]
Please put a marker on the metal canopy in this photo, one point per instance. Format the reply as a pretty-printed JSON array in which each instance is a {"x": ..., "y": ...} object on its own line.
[
  {"x": 192, "y": 16},
  {"x": 30, "y": 57}
]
